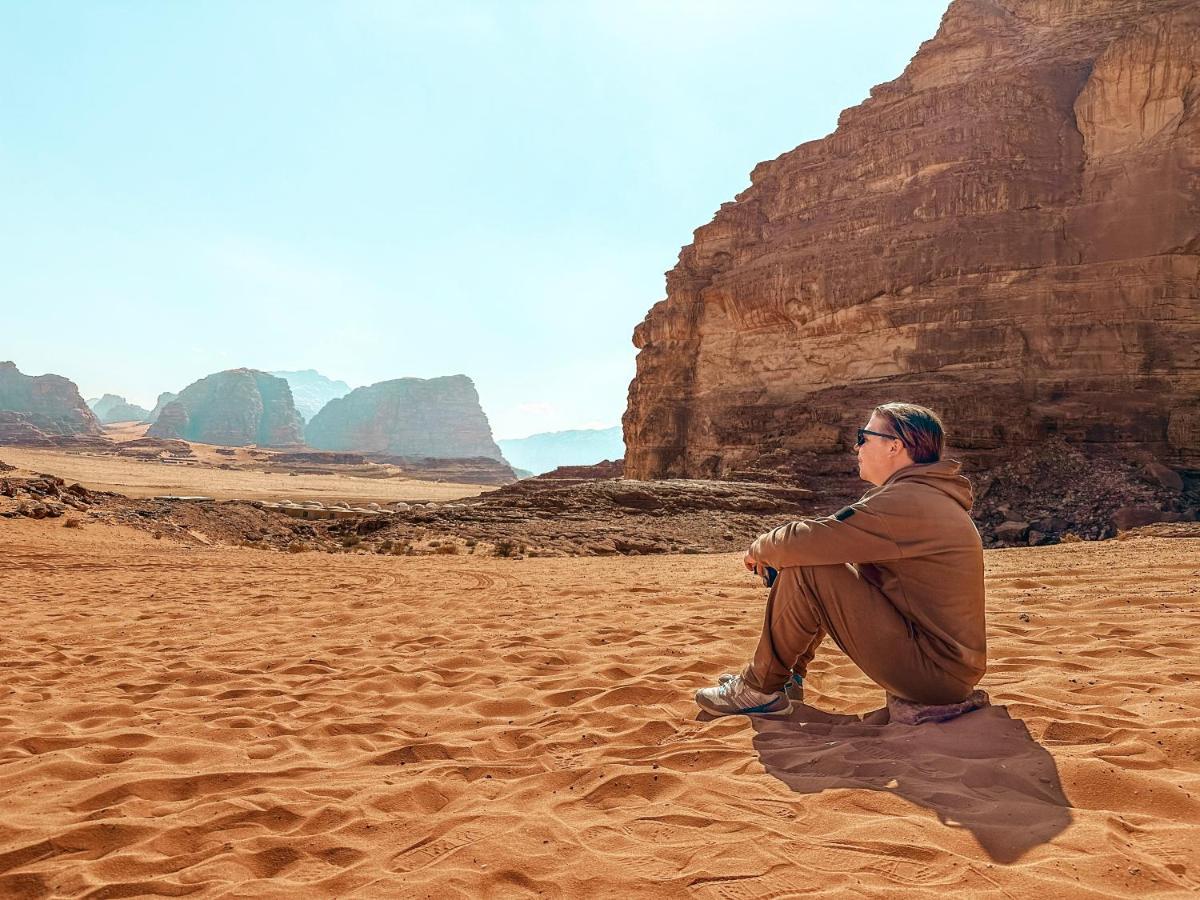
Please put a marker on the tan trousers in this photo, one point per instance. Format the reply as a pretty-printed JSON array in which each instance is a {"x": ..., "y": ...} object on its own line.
[{"x": 808, "y": 602}]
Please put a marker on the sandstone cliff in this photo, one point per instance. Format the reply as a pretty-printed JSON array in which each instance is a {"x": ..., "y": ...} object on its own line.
[
  {"x": 1009, "y": 232},
  {"x": 111, "y": 408},
  {"x": 163, "y": 399},
  {"x": 45, "y": 405},
  {"x": 232, "y": 408},
  {"x": 409, "y": 417}
]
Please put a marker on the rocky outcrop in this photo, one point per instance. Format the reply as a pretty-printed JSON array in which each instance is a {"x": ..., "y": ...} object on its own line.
[
  {"x": 540, "y": 453},
  {"x": 42, "y": 406},
  {"x": 171, "y": 422},
  {"x": 233, "y": 408},
  {"x": 111, "y": 408},
  {"x": 407, "y": 417},
  {"x": 15, "y": 428},
  {"x": 458, "y": 470},
  {"x": 605, "y": 469},
  {"x": 1009, "y": 233},
  {"x": 163, "y": 399},
  {"x": 311, "y": 390}
]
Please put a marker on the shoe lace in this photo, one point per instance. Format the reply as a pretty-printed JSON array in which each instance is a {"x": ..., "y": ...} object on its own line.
[{"x": 731, "y": 689}]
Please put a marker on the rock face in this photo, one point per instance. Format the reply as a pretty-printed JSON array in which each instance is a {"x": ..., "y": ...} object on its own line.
[
  {"x": 409, "y": 417},
  {"x": 163, "y": 399},
  {"x": 311, "y": 390},
  {"x": 232, "y": 408},
  {"x": 540, "y": 453},
  {"x": 48, "y": 405},
  {"x": 111, "y": 408},
  {"x": 1009, "y": 233}
]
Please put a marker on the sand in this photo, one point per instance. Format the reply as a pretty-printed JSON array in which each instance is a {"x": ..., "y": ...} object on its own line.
[
  {"x": 141, "y": 478},
  {"x": 233, "y": 722}
]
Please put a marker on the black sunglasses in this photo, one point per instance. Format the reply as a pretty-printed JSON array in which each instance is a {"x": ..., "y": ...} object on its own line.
[{"x": 863, "y": 432}]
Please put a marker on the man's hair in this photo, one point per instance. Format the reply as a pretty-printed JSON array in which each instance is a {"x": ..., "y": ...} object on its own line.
[{"x": 919, "y": 429}]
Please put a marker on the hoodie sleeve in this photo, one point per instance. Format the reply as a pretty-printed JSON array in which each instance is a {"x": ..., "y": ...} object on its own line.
[{"x": 858, "y": 533}]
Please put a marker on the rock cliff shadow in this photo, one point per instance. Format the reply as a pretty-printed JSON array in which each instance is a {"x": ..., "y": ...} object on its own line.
[{"x": 982, "y": 771}]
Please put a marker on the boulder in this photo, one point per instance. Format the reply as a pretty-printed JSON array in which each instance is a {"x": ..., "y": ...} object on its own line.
[
  {"x": 1164, "y": 476},
  {"x": 1134, "y": 516},
  {"x": 1006, "y": 233},
  {"x": 1011, "y": 531}
]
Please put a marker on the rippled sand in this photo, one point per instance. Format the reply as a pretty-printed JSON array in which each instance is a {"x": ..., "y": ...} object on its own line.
[{"x": 233, "y": 722}]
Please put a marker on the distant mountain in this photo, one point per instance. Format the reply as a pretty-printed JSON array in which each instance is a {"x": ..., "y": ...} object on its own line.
[
  {"x": 111, "y": 408},
  {"x": 232, "y": 408},
  {"x": 41, "y": 405},
  {"x": 311, "y": 390},
  {"x": 423, "y": 417},
  {"x": 581, "y": 447}
]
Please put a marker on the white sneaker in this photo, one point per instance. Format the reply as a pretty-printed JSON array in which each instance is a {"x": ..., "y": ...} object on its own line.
[
  {"x": 734, "y": 697},
  {"x": 794, "y": 687}
]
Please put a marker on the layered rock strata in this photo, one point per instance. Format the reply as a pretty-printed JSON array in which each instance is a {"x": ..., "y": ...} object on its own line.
[
  {"x": 41, "y": 407},
  {"x": 407, "y": 417},
  {"x": 1009, "y": 232},
  {"x": 232, "y": 408}
]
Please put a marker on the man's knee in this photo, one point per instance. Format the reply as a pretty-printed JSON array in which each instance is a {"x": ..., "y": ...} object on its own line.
[{"x": 814, "y": 578}]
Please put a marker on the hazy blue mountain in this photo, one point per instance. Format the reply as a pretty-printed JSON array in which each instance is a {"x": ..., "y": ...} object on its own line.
[
  {"x": 422, "y": 417},
  {"x": 311, "y": 390},
  {"x": 111, "y": 408},
  {"x": 542, "y": 452}
]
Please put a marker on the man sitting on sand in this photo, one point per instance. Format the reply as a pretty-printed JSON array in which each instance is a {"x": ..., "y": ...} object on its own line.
[{"x": 895, "y": 579}]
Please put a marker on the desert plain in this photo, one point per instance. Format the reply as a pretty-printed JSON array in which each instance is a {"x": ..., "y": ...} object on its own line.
[{"x": 221, "y": 721}]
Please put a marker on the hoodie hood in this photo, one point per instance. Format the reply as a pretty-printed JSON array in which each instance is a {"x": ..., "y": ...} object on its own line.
[{"x": 943, "y": 475}]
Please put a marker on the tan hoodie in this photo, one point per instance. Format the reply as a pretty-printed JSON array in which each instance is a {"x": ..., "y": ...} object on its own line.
[{"x": 911, "y": 537}]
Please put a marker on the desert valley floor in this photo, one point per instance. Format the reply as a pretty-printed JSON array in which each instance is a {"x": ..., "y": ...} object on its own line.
[{"x": 180, "y": 720}]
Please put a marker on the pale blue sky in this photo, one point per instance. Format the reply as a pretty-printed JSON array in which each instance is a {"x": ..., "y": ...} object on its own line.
[{"x": 385, "y": 189}]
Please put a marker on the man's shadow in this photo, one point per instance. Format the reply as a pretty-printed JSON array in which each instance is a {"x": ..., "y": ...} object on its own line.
[{"x": 981, "y": 771}]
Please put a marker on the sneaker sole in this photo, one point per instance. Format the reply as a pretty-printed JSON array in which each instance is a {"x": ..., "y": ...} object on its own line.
[{"x": 780, "y": 706}]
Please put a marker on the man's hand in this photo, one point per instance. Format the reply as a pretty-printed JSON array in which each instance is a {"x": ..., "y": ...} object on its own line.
[{"x": 751, "y": 562}]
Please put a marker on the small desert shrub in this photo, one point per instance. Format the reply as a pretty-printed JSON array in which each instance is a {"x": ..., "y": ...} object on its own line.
[
  {"x": 1070, "y": 537},
  {"x": 471, "y": 542},
  {"x": 386, "y": 546},
  {"x": 505, "y": 548},
  {"x": 351, "y": 540},
  {"x": 72, "y": 522},
  {"x": 158, "y": 535},
  {"x": 435, "y": 544},
  {"x": 447, "y": 548},
  {"x": 297, "y": 547}
]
